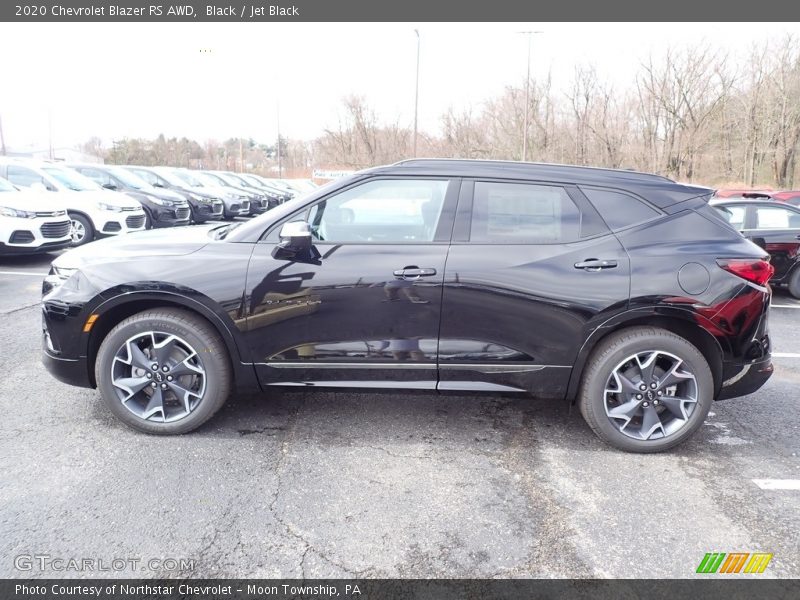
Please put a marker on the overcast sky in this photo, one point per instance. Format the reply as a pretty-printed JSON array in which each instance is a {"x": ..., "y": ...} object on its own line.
[{"x": 216, "y": 80}]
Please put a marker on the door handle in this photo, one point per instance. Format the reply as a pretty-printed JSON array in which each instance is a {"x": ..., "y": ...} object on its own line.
[
  {"x": 595, "y": 264},
  {"x": 414, "y": 273}
]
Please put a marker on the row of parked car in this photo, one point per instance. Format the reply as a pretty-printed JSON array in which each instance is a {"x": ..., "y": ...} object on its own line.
[
  {"x": 772, "y": 220},
  {"x": 95, "y": 200}
]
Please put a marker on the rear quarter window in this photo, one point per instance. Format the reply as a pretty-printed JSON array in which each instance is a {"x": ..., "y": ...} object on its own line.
[{"x": 618, "y": 209}]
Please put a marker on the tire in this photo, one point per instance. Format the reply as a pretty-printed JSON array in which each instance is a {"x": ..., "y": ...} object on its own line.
[
  {"x": 81, "y": 229},
  {"x": 188, "y": 346},
  {"x": 794, "y": 282},
  {"x": 654, "y": 353},
  {"x": 148, "y": 220}
]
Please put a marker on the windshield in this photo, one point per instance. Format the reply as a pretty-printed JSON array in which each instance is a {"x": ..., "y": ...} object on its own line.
[
  {"x": 238, "y": 180},
  {"x": 172, "y": 178},
  {"x": 5, "y": 186},
  {"x": 212, "y": 179},
  {"x": 190, "y": 178},
  {"x": 130, "y": 179},
  {"x": 71, "y": 179},
  {"x": 228, "y": 179}
]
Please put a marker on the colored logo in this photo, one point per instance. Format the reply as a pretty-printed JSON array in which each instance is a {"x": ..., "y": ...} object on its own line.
[{"x": 734, "y": 562}]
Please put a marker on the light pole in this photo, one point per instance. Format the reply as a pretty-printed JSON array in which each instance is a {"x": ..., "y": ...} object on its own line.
[
  {"x": 416, "y": 96},
  {"x": 530, "y": 35}
]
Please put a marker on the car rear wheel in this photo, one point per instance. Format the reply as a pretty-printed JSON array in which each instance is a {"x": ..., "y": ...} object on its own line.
[
  {"x": 163, "y": 371},
  {"x": 81, "y": 230},
  {"x": 794, "y": 283},
  {"x": 646, "y": 389}
]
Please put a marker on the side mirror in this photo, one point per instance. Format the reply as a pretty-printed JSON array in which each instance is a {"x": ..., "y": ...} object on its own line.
[
  {"x": 296, "y": 235},
  {"x": 110, "y": 186},
  {"x": 296, "y": 244}
]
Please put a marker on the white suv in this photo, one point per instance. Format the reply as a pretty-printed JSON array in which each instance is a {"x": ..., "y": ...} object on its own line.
[
  {"x": 31, "y": 222},
  {"x": 93, "y": 211}
]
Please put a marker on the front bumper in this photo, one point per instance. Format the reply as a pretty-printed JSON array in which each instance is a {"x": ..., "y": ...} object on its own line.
[
  {"x": 170, "y": 216},
  {"x": 7, "y": 250},
  {"x": 73, "y": 371},
  {"x": 237, "y": 208},
  {"x": 125, "y": 222},
  {"x": 202, "y": 212}
]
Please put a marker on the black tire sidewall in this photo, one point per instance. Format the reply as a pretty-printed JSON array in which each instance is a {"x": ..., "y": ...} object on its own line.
[
  {"x": 198, "y": 337},
  {"x": 594, "y": 387},
  {"x": 794, "y": 282}
]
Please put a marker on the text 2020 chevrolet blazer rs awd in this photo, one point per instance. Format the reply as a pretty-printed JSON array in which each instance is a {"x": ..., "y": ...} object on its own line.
[{"x": 624, "y": 292}]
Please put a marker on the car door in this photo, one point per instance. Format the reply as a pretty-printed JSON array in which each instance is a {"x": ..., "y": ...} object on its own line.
[
  {"x": 363, "y": 307},
  {"x": 779, "y": 227},
  {"x": 532, "y": 268}
]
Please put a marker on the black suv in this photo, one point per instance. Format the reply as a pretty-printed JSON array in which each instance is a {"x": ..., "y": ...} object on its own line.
[
  {"x": 162, "y": 208},
  {"x": 624, "y": 292},
  {"x": 204, "y": 207}
]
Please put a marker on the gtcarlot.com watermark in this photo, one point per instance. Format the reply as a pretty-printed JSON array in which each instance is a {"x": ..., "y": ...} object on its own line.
[{"x": 71, "y": 564}]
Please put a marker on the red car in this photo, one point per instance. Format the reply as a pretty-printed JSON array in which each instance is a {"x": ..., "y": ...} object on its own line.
[{"x": 790, "y": 196}]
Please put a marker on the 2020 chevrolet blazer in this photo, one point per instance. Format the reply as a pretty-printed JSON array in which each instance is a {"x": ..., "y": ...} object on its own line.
[{"x": 623, "y": 292}]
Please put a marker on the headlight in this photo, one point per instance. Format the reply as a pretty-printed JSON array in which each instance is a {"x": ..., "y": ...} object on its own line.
[
  {"x": 13, "y": 212},
  {"x": 158, "y": 201},
  {"x": 111, "y": 207}
]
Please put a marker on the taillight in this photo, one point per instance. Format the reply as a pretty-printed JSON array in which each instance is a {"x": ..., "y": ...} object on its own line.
[{"x": 756, "y": 270}]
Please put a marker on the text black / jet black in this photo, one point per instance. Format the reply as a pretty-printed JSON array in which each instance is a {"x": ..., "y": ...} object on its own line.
[{"x": 624, "y": 292}]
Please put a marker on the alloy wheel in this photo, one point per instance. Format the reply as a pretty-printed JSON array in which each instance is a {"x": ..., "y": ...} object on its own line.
[
  {"x": 77, "y": 231},
  {"x": 650, "y": 395},
  {"x": 158, "y": 376}
]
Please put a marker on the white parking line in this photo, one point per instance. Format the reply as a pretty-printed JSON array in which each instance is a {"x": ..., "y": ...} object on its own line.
[
  {"x": 786, "y": 355},
  {"x": 23, "y": 273},
  {"x": 778, "y": 484},
  {"x": 784, "y": 305}
]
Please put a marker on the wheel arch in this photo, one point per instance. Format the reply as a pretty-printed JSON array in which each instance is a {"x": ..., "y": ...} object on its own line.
[
  {"x": 680, "y": 322},
  {"x": 115, "y": 310}
]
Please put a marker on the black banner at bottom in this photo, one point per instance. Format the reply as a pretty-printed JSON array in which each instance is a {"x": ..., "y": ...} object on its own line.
[{"x": 401, "y": 589}]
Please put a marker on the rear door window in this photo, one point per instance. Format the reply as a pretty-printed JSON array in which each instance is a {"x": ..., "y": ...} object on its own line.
[
  {"x": 734, "y": 215},
  {"x": 521, "y": 213},
  {"x": 769, "y": 217}
]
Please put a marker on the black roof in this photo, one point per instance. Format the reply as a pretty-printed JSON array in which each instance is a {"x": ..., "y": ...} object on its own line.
[{"x": 658, "y": 189}]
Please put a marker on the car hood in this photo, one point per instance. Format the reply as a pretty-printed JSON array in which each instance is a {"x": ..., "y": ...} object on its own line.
[
  {"x": 31, "y": 201},
  {"x": 177, "y": 241},
  {"x": 108, "y": 197}
]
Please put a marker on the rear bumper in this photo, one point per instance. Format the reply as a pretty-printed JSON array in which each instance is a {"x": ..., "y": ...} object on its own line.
[{"x": 740, "y": 380}]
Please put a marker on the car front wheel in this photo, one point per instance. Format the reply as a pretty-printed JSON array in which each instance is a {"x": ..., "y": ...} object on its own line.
[
  {"x": 81, "y": 230},
  {"x": 163, "y": 371},
  {"x": 646, "y": 389}
]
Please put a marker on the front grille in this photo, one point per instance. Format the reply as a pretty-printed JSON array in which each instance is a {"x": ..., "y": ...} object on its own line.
[
  {"x": 204, "y": 209},
  {"x": 218, "y": 208},
  {"x": 135, "y": 221},
  {"x": 246, "y": 205},
  {"x": 182, "y": 213},
  {"x": 112, "y": 227},
  {"x": 235, "y": 207},
  {"x": 55, "y": 230},
  {"x": 21, "y": 237},
  {"x": 129, "y": 208}
]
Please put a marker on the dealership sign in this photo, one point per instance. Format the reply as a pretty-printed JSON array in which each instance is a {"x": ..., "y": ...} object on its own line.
[{"x": 327, "y": 174}]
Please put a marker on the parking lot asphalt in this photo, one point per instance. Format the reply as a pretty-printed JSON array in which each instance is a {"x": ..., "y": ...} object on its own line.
[{"x": 344, "y": 484}]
